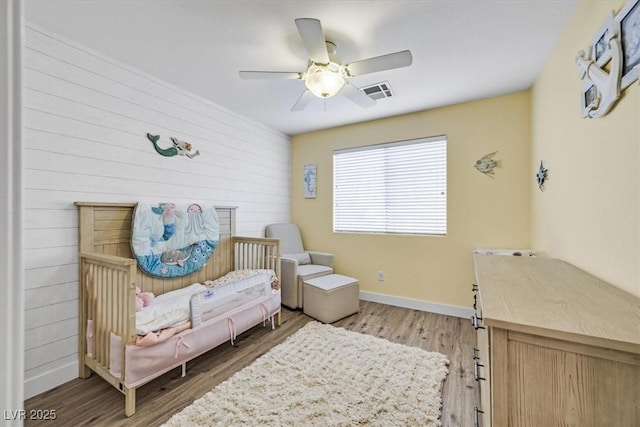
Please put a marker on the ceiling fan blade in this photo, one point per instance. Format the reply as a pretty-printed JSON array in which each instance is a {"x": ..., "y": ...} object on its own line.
[
  {"x": 313, "y": 38},
  {"x": 303, "y": 101},
  {"x": 270, "y": 75},
  {"x": 380, "y": 63},
  {"x": 357, "y": 96}
]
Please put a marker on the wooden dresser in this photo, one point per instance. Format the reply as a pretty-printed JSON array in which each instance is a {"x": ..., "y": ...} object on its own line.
[{"x": 556, "y": 346}]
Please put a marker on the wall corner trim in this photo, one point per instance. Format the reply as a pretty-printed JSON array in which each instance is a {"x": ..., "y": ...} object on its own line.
[{"x": 11, "y": 210}]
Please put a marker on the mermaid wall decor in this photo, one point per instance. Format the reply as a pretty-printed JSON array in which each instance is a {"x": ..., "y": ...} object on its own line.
[{"x": 181, "y": 148}]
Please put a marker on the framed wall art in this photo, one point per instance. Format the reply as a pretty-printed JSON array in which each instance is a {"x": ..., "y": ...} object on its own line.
[
  {"x": 600, "y": 69},
  {"x": 310, "y": 175},
  {"x": 600, "y": 49},
  {"x": 589, "y": 99},
  {"x": 629, "y": 21}
]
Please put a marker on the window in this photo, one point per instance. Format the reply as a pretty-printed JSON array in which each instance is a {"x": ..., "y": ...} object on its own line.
[{"x": 400, "y": 187}]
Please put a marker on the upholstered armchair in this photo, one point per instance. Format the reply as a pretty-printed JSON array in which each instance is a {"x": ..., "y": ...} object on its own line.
[{"x": 296, "y": 263}]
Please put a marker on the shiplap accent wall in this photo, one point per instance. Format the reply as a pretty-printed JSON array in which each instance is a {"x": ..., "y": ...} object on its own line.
[{"x": 85, "y": 122}]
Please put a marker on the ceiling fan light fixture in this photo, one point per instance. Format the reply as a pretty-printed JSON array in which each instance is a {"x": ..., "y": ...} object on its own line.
[
  {"x": 324, "y": 80},
  {"x": 325, "y": 75}
]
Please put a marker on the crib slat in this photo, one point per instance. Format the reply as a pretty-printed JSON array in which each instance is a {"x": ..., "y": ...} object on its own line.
[
  {"x": 109, "y": 303},
  {"x": 256, "y": 253}
]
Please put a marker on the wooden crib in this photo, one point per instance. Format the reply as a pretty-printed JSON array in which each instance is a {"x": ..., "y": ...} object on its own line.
[{"x": 109, "y": 276}]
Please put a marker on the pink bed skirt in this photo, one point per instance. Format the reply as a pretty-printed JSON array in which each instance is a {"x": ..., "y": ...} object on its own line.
[{"x": 146, "y": 363}]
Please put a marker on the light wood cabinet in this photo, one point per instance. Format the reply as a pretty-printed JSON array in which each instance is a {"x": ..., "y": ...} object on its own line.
[{"x": 556, "y": 346}]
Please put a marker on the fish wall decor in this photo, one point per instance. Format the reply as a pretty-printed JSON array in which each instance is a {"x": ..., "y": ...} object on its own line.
[
  {"x": 181, "y": 148},
  {"x": 541, "y": 176},
  {"x": 486, "y": 164}
]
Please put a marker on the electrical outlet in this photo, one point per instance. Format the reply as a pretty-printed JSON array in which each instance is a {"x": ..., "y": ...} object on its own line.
[{"x": 381, "y": 276}]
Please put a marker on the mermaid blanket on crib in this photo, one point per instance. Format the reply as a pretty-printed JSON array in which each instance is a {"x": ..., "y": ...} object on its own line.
[{"x": 172, "y": 239}]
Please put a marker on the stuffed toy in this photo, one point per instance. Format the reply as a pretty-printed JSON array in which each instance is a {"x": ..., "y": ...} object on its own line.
[{"x": 143, "y": 299}]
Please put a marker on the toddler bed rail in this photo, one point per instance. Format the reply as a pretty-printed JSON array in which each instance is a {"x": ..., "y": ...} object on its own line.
[{"x": 109, "y": 276}]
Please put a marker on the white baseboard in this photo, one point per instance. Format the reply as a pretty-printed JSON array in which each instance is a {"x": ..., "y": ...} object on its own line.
[
  {"x": 50, "y": 379},
  {"x": 428, "y": 306}
]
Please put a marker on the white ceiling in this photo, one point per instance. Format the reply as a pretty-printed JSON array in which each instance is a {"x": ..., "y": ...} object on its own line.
[{"x": 462, "y": 50}]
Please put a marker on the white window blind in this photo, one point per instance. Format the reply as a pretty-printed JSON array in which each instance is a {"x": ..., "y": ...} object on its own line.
[{"x": 399, "y": 187}]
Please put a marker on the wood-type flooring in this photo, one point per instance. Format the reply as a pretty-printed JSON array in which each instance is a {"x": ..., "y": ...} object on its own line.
[{"x": 93, "y": 402}]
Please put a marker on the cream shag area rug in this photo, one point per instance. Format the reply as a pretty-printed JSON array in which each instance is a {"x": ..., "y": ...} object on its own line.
[{"x": 327, "y": 376}]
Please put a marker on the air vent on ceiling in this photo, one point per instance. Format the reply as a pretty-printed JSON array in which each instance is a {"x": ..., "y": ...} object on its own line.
[{"x": 378, "y": 90}]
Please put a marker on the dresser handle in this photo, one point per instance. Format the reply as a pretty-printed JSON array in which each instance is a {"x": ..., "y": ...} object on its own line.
[
  {"x": 475, "y": 353},
  {"x": 476, "y": 371},
  {"x": 474, "y": 321},
  {"x": 474, "y": 287},
  {"x": 476, "y": 418},
  {"x": 475, "y": 301}
]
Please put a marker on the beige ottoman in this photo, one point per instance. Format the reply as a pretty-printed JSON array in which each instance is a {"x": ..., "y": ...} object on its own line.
[{"x": 332, "y": 297}]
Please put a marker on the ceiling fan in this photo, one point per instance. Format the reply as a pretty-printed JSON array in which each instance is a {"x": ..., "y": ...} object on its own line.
[{"x": 325, "y": 75}]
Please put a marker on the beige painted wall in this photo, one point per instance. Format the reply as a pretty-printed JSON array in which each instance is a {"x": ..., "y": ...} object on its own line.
[
  {"x": 482, "y": 212},
  {"x": 589, "y": 213}
]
